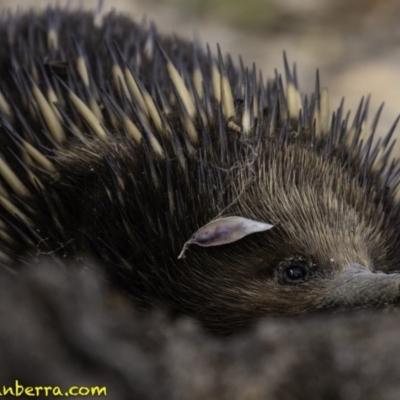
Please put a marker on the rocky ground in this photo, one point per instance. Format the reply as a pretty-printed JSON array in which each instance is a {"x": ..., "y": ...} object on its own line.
[{"x": 355, "y": 45}]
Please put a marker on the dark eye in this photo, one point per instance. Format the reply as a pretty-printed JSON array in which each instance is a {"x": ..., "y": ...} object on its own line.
[{"x": 294, "y": 272}]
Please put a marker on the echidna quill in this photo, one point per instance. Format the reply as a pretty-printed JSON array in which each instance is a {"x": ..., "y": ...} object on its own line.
[{"x": 196, "y": 184}]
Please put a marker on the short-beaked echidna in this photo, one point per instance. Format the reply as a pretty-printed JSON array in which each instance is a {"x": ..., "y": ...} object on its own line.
[{"x": 123, "y": 147}]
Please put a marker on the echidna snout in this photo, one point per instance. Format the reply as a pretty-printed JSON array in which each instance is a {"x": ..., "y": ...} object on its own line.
[{"x": 118, "y": 144}]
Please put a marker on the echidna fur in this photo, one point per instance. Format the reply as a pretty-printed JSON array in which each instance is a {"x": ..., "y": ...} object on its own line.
[{"x": 117, "y": 144}]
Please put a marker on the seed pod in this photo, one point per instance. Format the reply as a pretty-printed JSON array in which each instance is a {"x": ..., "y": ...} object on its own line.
[{"x": 223, "y": 231}]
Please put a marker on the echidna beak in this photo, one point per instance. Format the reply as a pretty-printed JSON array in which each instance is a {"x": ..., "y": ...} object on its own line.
[{"x": 358, "y": 287}]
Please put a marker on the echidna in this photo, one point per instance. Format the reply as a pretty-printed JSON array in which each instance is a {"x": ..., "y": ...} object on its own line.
[{"x": 124, "y": 147}]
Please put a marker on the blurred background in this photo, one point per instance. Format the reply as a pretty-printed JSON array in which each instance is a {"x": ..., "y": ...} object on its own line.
[{"x": 355, "y": 44}]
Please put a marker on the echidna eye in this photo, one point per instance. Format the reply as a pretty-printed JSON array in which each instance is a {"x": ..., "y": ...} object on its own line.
[{"x": 294, "y": 272}]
